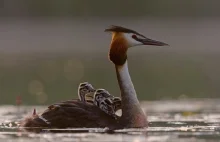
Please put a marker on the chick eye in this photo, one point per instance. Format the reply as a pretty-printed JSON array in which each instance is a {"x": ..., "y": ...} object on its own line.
[{"x": 134, "y": 36}]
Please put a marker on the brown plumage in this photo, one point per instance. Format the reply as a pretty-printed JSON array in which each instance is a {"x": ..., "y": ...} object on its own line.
[
  {"x": 71, "y": 114},
  {"x": 118, "y": 49}
]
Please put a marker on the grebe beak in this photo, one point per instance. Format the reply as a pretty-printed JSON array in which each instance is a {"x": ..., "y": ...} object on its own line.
[{"x": 147, "y": 41}]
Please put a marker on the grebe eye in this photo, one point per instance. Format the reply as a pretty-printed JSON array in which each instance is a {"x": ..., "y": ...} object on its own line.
[{"x": 134, "y": 36}]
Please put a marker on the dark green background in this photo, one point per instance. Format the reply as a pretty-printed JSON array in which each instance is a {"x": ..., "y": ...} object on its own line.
[{"x": 48, "y": 47}]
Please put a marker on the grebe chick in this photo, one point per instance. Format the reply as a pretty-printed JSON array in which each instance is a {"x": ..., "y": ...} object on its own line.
[
  {"x": 86, "y": 92},
  {"x": 107, "y": 102},
  {"x": 117, "y": 103}
]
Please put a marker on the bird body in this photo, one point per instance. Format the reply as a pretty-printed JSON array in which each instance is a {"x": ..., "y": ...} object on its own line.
[{"x": 75, "y": 113}]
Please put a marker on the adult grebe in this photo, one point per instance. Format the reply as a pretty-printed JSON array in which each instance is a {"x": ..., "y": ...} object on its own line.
[{"x": 75, "y": 113}]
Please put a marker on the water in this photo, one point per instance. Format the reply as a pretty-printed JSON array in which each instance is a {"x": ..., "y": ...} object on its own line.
[{"x": 169, "y": 121}]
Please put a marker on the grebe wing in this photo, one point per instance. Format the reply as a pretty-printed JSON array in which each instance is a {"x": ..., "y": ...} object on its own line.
[{"x": 72, "y": 114}]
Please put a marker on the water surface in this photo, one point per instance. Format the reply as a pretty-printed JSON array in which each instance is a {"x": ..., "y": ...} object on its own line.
[{"x": 169, "y": 121}]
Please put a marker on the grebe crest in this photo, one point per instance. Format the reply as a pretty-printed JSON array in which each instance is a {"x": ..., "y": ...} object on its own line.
[{"x": 122, "y": 39}]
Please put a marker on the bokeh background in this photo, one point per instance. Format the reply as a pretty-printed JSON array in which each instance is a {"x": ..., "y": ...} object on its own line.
[{"x": 47, "y": 47}]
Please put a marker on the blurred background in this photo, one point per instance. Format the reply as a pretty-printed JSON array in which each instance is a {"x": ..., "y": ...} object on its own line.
[{"x": 47, "y": 47}]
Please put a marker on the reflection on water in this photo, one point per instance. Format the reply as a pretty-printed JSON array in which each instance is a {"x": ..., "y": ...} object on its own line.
[{"x": 185, "y": 120}]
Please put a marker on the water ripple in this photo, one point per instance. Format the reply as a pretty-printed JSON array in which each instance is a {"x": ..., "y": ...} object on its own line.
[{"x": 201, "y": 123}]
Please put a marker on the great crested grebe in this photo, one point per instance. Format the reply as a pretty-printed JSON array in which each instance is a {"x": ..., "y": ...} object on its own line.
[{"x": 76, "y": 113}]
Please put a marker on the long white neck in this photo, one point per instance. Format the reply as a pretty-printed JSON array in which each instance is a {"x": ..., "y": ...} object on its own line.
[{"x": 132, "y": 114}]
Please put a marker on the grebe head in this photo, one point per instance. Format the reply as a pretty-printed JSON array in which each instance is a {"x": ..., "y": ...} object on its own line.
[
  {"x": 131, "y": 38},
  {"x": 122, "y": 39},
  {"x": 85, "y": 88},
  {"x": 100, "y": 95}
]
